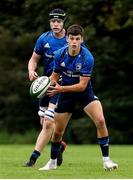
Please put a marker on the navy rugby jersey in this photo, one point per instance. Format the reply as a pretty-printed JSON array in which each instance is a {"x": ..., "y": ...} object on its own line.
[
  {"x": 46, "y": 46},
  {"x": 72, "y": 67}
]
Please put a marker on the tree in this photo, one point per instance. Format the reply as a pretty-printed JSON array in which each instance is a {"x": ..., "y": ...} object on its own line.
[{"x": 108, "y": 34}]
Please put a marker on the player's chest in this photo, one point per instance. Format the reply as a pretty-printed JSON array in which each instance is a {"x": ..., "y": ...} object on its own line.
[
  {"x": 72, "y": 64},
  {"x": 53, "y": 46}
]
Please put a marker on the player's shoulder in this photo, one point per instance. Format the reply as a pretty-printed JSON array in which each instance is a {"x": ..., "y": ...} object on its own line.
[
  {"x": 61, "y": 53},
  {"x": 45, "y": 35},
  {"x": 87, "y": 52},
  {"x": 62, "y": 50}
]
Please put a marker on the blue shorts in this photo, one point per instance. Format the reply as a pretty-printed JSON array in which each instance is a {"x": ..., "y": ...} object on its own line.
[
  {"x": 66, "y": 101},
  {"x": 44, "y": 101}
]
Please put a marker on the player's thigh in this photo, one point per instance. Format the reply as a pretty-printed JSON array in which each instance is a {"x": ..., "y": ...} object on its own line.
[
  {"x": 51, "y": 105},
  {"x": 94, "y": 110},
  {"x": 61, "y": 120}
]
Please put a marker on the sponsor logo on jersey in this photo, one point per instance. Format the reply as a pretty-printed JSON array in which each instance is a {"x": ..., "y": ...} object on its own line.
[
  {"x": 47, "y": 45},
  {"x": 49, "y": 55},
  {"x": 78, "y": 66}
]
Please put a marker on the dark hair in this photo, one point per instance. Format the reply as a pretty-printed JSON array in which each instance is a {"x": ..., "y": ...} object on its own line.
[
  {"x": 57, "y": 13},
  {"x": 75, "y": 30}
]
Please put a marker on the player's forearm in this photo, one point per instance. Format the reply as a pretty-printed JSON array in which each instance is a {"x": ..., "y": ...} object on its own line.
[
  {"x": 73, "y": 88},
  {"x": 54, "y": 77},
  {"x": 79, "y": 87},
  {"x": 32, "y": 65}
]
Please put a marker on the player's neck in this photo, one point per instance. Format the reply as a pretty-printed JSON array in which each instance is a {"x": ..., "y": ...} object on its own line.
[
  {"x": 61, "y": 34},
  {"x": 73, "y": 52}
]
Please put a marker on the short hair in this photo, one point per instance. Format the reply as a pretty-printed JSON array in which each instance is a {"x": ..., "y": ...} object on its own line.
[
  {"x": 75, "y": 30},
  {"x": 57, "y": 14}
]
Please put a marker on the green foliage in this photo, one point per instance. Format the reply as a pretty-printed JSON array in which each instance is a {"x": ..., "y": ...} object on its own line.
[
  {"x": 28, "y": 137},
  {"x": 108, "y": 34}
]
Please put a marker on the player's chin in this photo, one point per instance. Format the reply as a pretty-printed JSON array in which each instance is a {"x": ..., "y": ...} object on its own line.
[
  {"x": 56, "y": 30},
  {"x": 74, "y": 47}
]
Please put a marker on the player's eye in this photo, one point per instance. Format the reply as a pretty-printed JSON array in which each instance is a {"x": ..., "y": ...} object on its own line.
[
  {"x": 59, "y": 21},
  {"x": 56, "y": 20},
  {"x": 71, "y": 38},
  {"x": 77, "y": 39}
]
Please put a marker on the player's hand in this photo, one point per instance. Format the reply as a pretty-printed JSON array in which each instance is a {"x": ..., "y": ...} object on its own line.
[
  {"x": 54, "y": 88},
  {"x": 32, "y": 75}
]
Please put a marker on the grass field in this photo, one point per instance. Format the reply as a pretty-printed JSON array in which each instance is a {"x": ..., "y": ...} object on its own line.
[{"x": 80, "y": 161}]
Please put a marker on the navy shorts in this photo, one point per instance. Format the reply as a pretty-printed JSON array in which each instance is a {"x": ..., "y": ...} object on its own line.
[
  {"x": 66, "y": 101},
  {"x": 44, "y": 101}
]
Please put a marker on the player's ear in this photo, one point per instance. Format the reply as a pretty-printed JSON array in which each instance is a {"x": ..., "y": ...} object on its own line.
[
  {"x": 67, "y": 38},
  {"x": 82, "y": 39}
]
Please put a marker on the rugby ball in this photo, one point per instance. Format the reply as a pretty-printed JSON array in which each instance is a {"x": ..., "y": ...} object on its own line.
[{"x": 39, "y": 86}]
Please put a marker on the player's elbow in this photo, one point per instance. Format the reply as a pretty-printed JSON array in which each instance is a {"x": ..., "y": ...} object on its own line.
[{"x": 82, "y": 87}]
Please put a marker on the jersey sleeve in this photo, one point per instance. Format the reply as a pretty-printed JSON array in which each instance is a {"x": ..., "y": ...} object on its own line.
[
  {"x": 39, "y": 49},
  {"x": 87, "y": 66}
]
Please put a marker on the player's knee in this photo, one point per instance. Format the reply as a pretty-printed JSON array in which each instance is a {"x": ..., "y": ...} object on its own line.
[
  {"x": 100, "y": 123},
  {"x": 49, "y": 124}
]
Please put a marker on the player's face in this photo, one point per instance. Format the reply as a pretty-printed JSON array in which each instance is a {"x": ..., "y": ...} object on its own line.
[
  {"x": 74, "y": 42},
  {"x": 56, "y": 25}
]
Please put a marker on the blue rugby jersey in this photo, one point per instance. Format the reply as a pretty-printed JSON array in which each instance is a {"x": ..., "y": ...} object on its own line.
[
  {"x": 72, "y": 67},
  {"x": 46, "y": 46}
]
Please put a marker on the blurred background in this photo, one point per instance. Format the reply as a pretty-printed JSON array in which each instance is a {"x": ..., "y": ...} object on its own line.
[{"x": 108, "y": 28}]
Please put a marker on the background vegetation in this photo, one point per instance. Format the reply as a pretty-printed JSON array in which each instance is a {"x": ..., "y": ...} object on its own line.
[{"x": 108, "y": 28}]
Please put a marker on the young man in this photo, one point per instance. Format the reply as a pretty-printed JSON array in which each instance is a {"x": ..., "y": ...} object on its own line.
[
  {"x": 75, "y": 64},
  {"x": 46, "y": 46}
]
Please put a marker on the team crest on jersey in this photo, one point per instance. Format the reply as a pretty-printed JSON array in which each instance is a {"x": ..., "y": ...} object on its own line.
[
  {"x": 78, "y": 66},
  {"x": 47, "y": 45}
]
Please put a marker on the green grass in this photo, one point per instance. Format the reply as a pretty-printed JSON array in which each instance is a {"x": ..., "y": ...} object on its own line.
[{"x": 80, "y": 161}]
